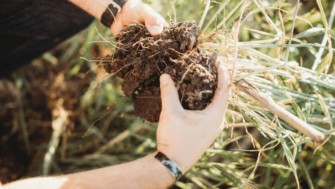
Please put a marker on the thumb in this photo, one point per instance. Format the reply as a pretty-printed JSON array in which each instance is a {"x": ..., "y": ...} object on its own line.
[
  {"x": 169, "y": 94},
  {"x": 154, "y": 22},
  {"x": 220, "y": 100}
]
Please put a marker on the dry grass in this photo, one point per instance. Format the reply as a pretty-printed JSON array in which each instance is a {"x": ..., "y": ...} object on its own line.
[{"x": 256, "y": 42}]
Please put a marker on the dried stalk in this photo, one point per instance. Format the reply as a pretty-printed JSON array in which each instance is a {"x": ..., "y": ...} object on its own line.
[
  {"x": 59, "y": 121},
  {"x": 24, "y": 126},
  {"x": 120, "y": 138},
  {"x": 282, "y": 113}
]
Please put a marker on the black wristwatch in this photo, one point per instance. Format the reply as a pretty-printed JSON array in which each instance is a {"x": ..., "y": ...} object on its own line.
[{"x": 114, "y": 7}]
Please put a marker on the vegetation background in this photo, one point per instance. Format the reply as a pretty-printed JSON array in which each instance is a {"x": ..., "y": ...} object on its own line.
[{"x": 61, "y": 114}]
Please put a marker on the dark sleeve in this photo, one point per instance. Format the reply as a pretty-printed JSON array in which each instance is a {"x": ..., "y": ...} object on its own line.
[{"x": 28, "y": 28}]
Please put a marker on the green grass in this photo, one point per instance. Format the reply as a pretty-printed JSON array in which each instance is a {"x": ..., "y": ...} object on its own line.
[{"x": 282, "y": 156}]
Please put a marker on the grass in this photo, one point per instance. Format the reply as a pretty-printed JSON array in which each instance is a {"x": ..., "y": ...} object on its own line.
[
  {"x": 269, "y": 77},
  {"x": 272, "y": 46}
]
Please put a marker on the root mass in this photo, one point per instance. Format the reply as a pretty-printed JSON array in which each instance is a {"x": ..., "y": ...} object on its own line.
[{"x": 141, "y": 59}]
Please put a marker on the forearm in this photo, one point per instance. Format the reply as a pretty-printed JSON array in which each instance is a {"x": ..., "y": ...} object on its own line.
[
  {"x": 143, "y": 173},
  {"x": 93, "y": 7}
]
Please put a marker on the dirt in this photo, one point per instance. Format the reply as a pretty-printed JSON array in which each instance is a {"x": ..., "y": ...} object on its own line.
[
  {"x": 141, "y": 59},
  {"x": 47, "y": 85}
]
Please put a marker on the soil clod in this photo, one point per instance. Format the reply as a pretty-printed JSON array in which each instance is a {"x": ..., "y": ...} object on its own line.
[{"x": 141, "y": 59}]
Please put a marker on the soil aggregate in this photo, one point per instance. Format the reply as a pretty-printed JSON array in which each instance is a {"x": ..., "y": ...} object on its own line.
[{"x": 141, "y": 59}]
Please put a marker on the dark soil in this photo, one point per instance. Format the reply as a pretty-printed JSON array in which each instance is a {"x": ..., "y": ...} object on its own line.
[{"x": 141, "y": 59}]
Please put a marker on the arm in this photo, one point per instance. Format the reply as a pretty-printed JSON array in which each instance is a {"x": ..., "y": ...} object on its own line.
[
  {"x": 182, "y": 135},
  {"x": 133, "y": 11},
  {"x": 146, "y": 173}
]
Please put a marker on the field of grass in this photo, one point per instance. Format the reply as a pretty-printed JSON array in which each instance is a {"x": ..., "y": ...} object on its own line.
[{"x": 66, "y": 115}]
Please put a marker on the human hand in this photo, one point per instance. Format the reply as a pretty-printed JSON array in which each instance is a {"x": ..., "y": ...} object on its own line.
[
  {"x": 184, "y": 135},
  {"x": 136, "y": 12}
]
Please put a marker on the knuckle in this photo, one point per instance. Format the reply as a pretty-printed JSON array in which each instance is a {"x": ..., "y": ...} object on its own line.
[
  {"x": 169, "y": 116},
  {"x": 148, "y": 11},
  {"x": 163, "y": 118}
]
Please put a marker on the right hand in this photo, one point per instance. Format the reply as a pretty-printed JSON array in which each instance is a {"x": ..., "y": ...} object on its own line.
[
  {"x": 136, "y": 12},
  {"x": 184, "y": 135}
]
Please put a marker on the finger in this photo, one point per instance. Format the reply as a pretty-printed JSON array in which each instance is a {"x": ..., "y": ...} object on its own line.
[
  {"x": 136, "y": 12},
  {"x": 117, "y": 25},
  {"x": 169, "y": 94},
  {"x": 129, "y": 15},
  {"x": 152, "y": 20},
  {"x": 220, "y": 100}
]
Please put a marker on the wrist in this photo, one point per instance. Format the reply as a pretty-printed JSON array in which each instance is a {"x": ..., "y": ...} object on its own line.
[
  {"x": 129, "y": 5},
  {"x": 160, "y": 169},
  {"x": 182, "y": 159}
]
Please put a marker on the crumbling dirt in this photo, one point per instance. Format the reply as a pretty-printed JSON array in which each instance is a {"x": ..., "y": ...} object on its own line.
[{"x": 141, "y": 59}]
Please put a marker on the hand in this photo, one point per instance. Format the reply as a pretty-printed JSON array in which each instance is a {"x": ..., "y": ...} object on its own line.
[
  {"x": 134, "y": 12},
  {"x": 184, "y": 135}
]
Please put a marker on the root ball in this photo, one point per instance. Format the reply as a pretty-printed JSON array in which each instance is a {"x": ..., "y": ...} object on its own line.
[{"x": 141, "y": 59}]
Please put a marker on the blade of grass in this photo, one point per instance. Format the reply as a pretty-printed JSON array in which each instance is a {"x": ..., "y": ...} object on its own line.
[
  {"x": 234, "y": 177},
  {"x": 86, "y": 46},
  {"x": 279, "y": 182},
  {"x": 294, "y": 104},
  {"x": 326, "y": 36},
  {"x": 228, "y": 16},
  {"x": 236, "y": 34},
  {"x": 325, "y": 110},
  {"x": 291, "y": 34},
  {"x": 24, "y": 126},
  {"x": 214, "y": 17},
  {"x": 310, "y": 32},
  {"x": 288, "y": 155},
  {"x": 205, "y": 13},
  {"x": 332, "y": 33},
  {"x": 269, "y": 169},
  {"x": 308, "y": 178}
]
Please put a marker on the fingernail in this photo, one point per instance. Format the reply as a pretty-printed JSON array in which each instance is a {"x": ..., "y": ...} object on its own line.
[
  {"x": 164, "y": 79},
  {"x": 156, "y": 30},
  {"x": 218, "y": 63}
]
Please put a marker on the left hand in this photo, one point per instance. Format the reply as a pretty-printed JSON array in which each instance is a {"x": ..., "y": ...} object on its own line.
[
  {"x": 184, "y": 135},
  {"x": 136, "y": 12}
]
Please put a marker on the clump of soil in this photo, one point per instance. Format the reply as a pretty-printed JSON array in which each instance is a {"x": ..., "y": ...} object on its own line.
[{"x": 141, "y": 59}]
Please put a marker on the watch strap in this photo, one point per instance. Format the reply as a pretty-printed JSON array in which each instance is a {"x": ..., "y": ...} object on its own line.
[
  {"x": 114, "y": 7},
  {"x": 170, "y": 165}
]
